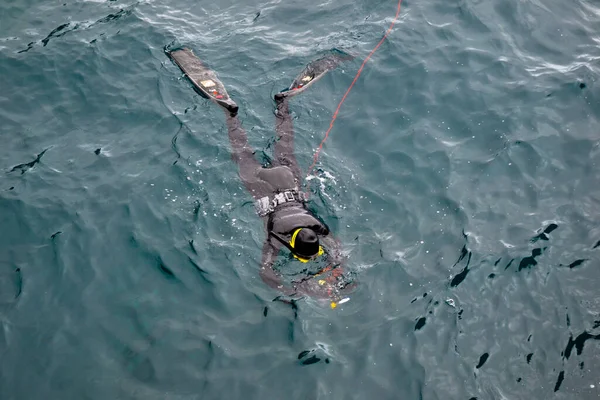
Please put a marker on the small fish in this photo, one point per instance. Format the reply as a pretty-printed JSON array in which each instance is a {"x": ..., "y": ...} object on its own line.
[{"x": 27, "y": 166}]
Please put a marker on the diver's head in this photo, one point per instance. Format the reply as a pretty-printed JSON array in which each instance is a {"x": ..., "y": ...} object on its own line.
[{"x": 305, "y": 243}]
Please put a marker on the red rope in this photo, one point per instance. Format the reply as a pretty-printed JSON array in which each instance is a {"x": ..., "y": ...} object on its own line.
[{"x": 337, "y": 110}]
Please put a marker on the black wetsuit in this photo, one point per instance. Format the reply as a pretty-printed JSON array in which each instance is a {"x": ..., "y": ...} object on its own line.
[
  {"x": 284, "y": 175},
  {"x": 276, "y": 190}
]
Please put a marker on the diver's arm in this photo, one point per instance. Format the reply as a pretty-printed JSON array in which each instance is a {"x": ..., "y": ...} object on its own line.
[{"x": 267, "y": 273}]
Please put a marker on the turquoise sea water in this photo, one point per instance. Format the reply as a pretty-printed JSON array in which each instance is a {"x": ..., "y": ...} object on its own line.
[{"x": 461, "y": 177}]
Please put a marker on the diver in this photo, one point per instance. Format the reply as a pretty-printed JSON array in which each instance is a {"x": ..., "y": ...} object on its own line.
[{"x": 276, "y": 188}]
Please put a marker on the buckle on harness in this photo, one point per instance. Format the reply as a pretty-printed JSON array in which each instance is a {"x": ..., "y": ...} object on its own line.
[
  {"x": 265, "y": 205},
  {"x": 278, "y": 199}
]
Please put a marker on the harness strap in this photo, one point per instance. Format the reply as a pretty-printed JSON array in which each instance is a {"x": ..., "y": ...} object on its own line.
[{"x": 266, "y": 205}]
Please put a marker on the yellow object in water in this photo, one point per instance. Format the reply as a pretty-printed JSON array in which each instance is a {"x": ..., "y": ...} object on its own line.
[
  {"x": 321, "y": 282},
  {"x": 333, "y": 304}
]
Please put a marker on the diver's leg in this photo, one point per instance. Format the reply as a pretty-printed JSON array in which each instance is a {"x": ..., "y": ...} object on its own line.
[
  {"x": 284, "y": 146},
  {"x": 242, "y": 154},
  {"x": 209, "y": 86}
]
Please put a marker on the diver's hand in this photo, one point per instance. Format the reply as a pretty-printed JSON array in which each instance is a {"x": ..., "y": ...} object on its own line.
[
  {"x": 329, "y": 284},
  {"x": 314, "y": 287}
]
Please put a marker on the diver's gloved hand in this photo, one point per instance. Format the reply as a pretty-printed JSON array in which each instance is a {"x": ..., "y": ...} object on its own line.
[
  {"x": 333, "y": 294},
  {"x": 329, "y": 284},
  {"x": 312, "y": 288}
]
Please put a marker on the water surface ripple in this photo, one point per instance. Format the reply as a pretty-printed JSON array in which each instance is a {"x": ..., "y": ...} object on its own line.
[{"x": 460, "y": 176}]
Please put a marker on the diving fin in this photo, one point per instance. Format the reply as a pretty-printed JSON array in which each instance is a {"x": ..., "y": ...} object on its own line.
[
  {"x": 204, "y": 80},
  {"x": 314, "y": 71}
]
